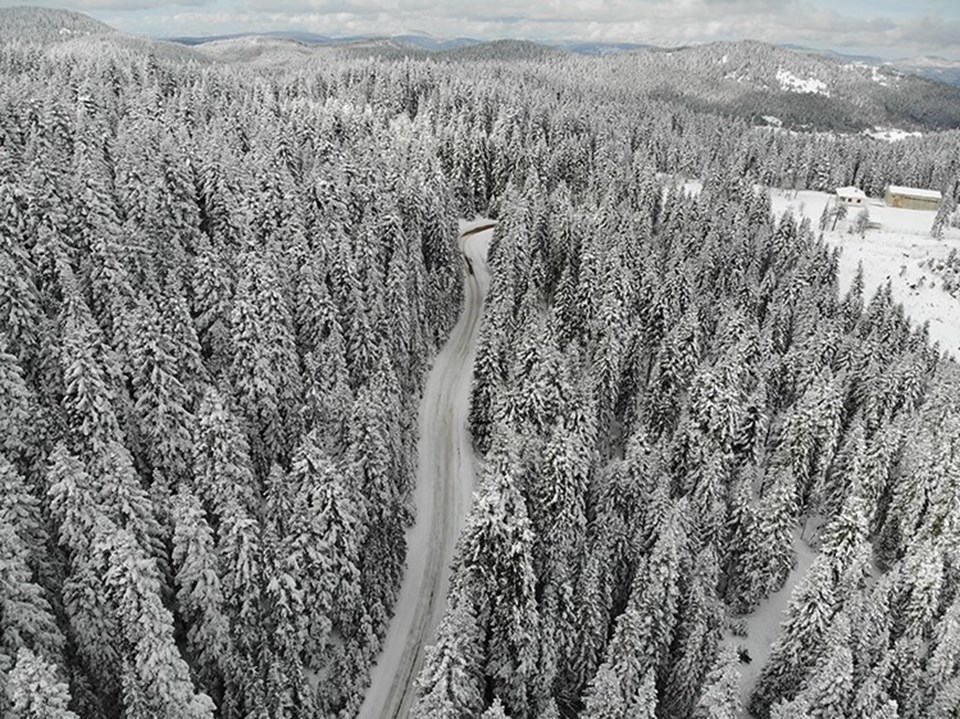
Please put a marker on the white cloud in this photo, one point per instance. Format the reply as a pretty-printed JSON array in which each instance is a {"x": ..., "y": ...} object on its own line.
[
  {"x": 97, "y": 8},
  {"x": 933, "y": 27}
]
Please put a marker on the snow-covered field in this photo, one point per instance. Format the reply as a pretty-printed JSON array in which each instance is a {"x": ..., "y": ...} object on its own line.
[
  {"x": 810, "y": 86},
  {"x": 894, "y": 251},
  {"x": 442, "y": 498},
  {"x": 891, "y": 134}
]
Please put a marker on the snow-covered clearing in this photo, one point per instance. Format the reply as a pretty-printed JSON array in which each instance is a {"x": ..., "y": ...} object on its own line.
[
  {"x": 877, "y": 76},
  {"x": 897, "y": 248},
  {"x": 763, "y": 625},
  {"x": 890, "y": 134},
  {"x": 809, "y": 86},
  {"x": 893, "y": 252},
  {"x": 442, "y": 498}
]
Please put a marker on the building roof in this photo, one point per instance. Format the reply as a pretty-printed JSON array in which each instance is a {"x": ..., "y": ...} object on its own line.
[
  {"x": 915, "y": 192},
  {"x": 851, "y": 192}
]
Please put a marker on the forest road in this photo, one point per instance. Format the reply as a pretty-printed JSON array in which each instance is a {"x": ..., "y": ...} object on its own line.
[{"x": 442, "y": 497}]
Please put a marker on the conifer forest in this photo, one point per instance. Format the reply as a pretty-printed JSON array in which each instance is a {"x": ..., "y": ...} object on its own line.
[{"x": 223, "y": 286}]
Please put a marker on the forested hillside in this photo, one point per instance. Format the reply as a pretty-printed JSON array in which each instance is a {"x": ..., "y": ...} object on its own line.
[
  {"x": 803, "y": 90},
  {"x": 665, "y": 391},
  {"x": 221, "y": 288},
  {"x": 218, "y": 303},
  {"x": 44, "y": 26}
]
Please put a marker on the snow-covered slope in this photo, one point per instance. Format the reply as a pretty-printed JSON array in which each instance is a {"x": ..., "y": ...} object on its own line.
[
  {"x": 262, "y": 50},
  {"x": 63, "y": 33}
]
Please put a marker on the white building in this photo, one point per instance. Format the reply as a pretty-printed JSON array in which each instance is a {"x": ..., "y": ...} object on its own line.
[
  {"x": 912, "y": 198},
  {"x": 851, "y": 196}
]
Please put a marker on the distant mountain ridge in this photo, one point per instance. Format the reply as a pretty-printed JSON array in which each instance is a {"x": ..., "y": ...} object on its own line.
[
  {"x": 787, "y": 88},
  {"x": 931, "y": 67},
  {"x": 307, "y": 38},
  {"x": 422, "y": 41},
  {"x": 799, "y": 89},
  {"x": 46, "y": 25}
]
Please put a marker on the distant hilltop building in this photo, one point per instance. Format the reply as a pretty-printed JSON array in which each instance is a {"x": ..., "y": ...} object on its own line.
[
  {"x": 912, "y": 198},
  {"x": 851, "y": 196}
]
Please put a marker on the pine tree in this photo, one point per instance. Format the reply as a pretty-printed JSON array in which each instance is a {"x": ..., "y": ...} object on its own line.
[
  {"x": 799, "y": 643},
  {"x": 283, "y": 619},
  {"x": 241, "y": 556},
  {"x": 155, "y": 679},
  {"x": 200, "y": 601},
  {"x": 35, "y": 689},
  {"x": 27, "y": 620},
  {"x": 776, "y": 522},
  {"x": 495, "y": 711},
  {"x": 845, "y": 544},
  {"x": 873, "y": 701},
  {"x": 20, "y": 429},
  {"x": 720, "y": 698},
  {"x": 212, "y": 293},
  {"x": 88, "y": 399},
  {"x": 655, "y": 590},
  {"x": 221, "y": 462},
  {"x": 374, "y": 464},
  {"x": 829, "y": 690},
  {"x": 161, "y": 400},
  {"x": 643, "y": 704},
  {"x": 20, "y": 309},
  {"x": 178, "y": 325},
  {"x": 328, "y": 399},
  {"x": 92, "y": 621},
  {"x": 20, "y": 510},
  {"x": 698, "y": 635},
  {"x": 325, "y": 535},
  {"x": 945, "y": 657},
  {"x": 265, "y": 369},
  {"x": 591, "y": 621},
  {"x": 497, "y": 570},
  {"x": 605, "y": 698},
  {"x": 922, "y": 577},
  {"x": 450, "y": 686}
]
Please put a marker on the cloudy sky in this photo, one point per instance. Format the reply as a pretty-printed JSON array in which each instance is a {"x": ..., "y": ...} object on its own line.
[{"x": 888, "y": 28}]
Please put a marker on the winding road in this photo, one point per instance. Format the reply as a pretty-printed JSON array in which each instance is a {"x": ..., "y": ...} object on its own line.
[{"x": 443, "y": 495}]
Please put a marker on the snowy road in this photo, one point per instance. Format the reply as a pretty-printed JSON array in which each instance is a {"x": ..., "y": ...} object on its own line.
[{"x": 442, "y": 497}]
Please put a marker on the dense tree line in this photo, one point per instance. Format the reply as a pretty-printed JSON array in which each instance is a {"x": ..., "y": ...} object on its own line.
[
  {"x": 666, "y": 388},
  {"x": 220, "y": 288},
  {"x": 218, "y": 303}
]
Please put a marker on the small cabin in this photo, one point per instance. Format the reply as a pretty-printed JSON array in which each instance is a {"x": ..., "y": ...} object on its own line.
[
  {"x": 851, "y": 196},
  {"x": 912, "y": 198}
]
